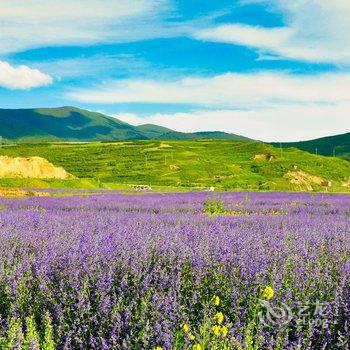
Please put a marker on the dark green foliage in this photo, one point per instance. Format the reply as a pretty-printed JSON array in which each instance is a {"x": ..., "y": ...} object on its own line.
[{"x": 338, "y": 145}]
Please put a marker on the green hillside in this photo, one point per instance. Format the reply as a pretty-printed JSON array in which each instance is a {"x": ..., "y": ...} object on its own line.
[
  {"x": 74, "y": 124},
  {"x": 153, "y": 131},
  {"x": 217, "y": 135},
  {"x": 338, "y": 145},
  {"x": 66, "y": 123},
  {"x": 188, "y": 164}
]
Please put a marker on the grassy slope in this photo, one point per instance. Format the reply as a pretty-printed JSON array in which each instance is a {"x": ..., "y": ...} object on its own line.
[
  {"x": 340, "y": 144},
  {"x": 223, "y": 164}
]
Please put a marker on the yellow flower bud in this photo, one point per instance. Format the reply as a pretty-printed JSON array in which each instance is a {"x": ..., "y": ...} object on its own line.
[
  {"x": 224, "y": 331},
  {"x": 197, "y": 347},
  {"x": 216, "y": 330},
  {"x": 219, "y": 317},
  {"x": 185, "y": 327},
  {"x": 191, "y": 337},
  {"x": 216, "y": 300},
  {"x": 268, "y": 293}
]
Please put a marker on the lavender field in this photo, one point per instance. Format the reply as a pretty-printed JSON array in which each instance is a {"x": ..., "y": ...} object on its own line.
[{"x": 175, "y": 271}]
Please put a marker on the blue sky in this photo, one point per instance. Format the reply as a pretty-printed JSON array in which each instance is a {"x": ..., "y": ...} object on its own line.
[{"x": 268, "y": 69}]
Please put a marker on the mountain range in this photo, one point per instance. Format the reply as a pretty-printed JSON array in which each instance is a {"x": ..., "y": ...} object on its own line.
[
  {"x": 75, "y": 124},
  {"x": 79, "y": 125}
]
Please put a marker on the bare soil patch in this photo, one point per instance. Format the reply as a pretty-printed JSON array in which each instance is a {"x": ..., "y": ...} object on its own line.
[{"x": 32, "y": 167}]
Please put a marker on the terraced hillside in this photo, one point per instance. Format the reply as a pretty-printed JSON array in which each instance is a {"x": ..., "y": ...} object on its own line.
[{"x": 189, "y": 164}]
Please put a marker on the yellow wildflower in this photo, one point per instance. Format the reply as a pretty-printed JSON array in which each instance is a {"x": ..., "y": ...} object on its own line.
[
  {"x": 191, "y": 337},
  {"x": 224, "y": 331},
  {"x": 185, "y": 327},
  {"x": 216, "y": 330},
  {"x": 158, "y": 348},
  {"x": 219, "y": 317},
  {"x": 268, "y": 293},
  {"x": 197, "y": 347},
  {"x": 216, "y": 300}
]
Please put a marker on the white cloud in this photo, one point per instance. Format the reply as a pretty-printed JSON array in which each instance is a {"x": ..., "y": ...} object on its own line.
[
  {"x": 31, "y": 23},
  {"x": 276, "y": 123},
  {"x": 315, "y": 30},
  {"x": 267, "y": 106},
  {"x": 227, "y": 90},
  {"x": 21, "y": 77},
  {"x": 246, "y": 35}
]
